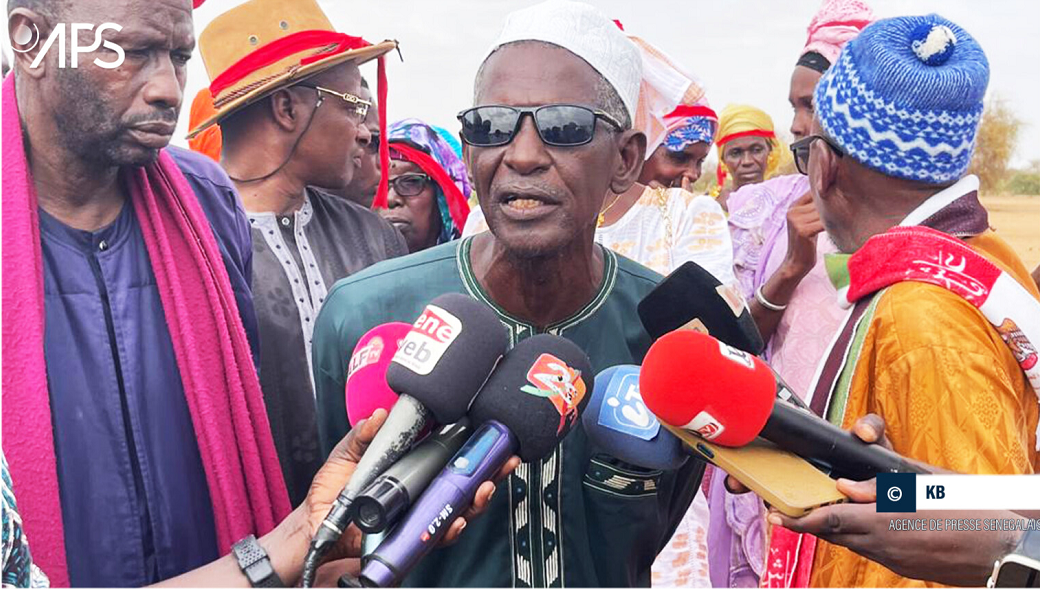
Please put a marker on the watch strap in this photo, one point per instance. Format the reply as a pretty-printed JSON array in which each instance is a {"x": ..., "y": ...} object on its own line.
[{"x": 255, "y": 563}]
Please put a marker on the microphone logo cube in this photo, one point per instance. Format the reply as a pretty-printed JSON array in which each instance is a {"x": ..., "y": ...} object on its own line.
[
  {"x": 623, "y": 409},
  {"x": 735, "y": 355},
  {"x": 705, "y": 425},
  {"x": 431, "y": 335},
  {"x": 896, "y": 492},
  {"x": 731, "y": 294},
  {"x": 551, "y": 378}
]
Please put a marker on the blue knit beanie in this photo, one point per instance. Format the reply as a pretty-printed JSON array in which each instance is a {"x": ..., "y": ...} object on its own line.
[{"x": 905, "y": 98}]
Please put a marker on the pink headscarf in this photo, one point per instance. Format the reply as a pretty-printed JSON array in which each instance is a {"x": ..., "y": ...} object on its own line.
[{"x": 837, "y": 22}]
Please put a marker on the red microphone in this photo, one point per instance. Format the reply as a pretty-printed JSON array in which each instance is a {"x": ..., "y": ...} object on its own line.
[
  {"x": 366, "y": 388},
  {"x": 695, "y": 382}
]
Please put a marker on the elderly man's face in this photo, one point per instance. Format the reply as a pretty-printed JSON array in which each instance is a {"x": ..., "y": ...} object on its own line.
[
  {"x": 123, "y": 116},
  {"x": 538, "y": 198},
  {"x": 838, "y": 218}
]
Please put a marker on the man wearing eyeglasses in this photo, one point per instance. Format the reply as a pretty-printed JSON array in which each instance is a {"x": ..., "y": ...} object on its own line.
[
  {"x": 550, "y": 134},
  {"x": 941, "y": 338},
  {"x": 284, "y": 136},
  {"x": 365, "y": 181}
]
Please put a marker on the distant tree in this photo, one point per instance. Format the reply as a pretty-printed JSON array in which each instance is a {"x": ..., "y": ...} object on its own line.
[
  {"x": 995, "y": 144},
  {"x": 1026, "y": 180}
]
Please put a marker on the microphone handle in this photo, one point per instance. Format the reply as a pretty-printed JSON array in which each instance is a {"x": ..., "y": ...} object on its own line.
[
  {"x": 811, "y": 437},
  {"x": 784, "y": 393},
  {"x": 442, "y": 502},
  {"x": 380, "y": 505},
  {"x": 402, "y": 427}
]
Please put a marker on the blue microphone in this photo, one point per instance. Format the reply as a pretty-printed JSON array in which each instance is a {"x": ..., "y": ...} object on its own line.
[{"x": 617, "y": 421}]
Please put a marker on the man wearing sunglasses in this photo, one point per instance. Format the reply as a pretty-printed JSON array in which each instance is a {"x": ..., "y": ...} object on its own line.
[
  {"x": 550, "y": 134},
  {"x": 302, "y": 132}
]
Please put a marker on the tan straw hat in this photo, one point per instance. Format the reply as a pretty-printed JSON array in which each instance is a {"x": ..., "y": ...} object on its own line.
[{"x": 264, "y": 45}]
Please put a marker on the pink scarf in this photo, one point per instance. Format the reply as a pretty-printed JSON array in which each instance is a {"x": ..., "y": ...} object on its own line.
[
  {"x": 837, "y": 22},
  {"x": 209, "y": 341}
]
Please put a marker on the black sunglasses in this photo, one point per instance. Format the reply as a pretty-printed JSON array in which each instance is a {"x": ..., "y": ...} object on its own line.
[
  {"x": 560, "y": 125},
  {"x": 409, "y": 184},
  {"x": 800, "y": 149}
]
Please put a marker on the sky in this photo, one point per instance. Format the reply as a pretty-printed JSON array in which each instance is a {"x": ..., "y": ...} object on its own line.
[{"x": 743, "y": 50}]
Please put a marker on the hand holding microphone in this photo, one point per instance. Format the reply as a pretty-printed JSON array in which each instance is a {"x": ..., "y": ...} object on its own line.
[
  {"x": 527, "y": 406},
  {"x": 386, "y": 498},
  {"x": 441, "y": 364}
]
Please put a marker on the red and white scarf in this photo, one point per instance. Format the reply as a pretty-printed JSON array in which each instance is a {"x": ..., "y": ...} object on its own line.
[{"x": 922, "y": 254}]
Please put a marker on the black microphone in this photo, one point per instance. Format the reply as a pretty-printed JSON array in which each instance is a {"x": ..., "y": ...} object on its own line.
[
  {"x": 437, "y": 370},
  {"x": 379, "y": 507},
  {"x": 692, "y": 298},
  {"x": 839, "y": 452},
  {"x": 527, "y": 406}
]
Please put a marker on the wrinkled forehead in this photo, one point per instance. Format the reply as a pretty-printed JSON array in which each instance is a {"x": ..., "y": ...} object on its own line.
[
  {"x": 529, "y": 73},
  {"x": 169, "y": 19}
]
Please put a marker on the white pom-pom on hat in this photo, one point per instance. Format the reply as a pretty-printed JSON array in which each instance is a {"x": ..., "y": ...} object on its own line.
[{"x": 933, "y": 44}]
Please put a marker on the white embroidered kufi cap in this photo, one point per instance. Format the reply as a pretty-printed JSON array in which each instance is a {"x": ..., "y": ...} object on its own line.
[{"x": 582, "y": 30}]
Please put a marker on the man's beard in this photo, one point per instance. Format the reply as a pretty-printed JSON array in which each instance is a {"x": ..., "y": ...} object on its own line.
[{"x": 92, "y": 129}]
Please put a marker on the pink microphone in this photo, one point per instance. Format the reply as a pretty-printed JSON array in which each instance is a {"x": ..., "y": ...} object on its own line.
[{"x": 366, "y": 375}]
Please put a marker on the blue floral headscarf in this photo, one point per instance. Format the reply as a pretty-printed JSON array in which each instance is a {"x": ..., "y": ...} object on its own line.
[{"x": 451, "y": 181}]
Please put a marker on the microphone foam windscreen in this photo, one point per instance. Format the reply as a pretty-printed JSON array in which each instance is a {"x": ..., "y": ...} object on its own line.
[
  {"x": 693, "y": 298},
  {"x": 366, "y": 388},
  {"x": 695, "y": 382},
  {"x": 448, "y": 354},
  {"x": 618, "y": 422},
  {"x": 538, "y": 391}
]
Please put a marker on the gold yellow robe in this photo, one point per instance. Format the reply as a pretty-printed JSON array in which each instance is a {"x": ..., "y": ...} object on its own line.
[{"x": 949, "y": 390}]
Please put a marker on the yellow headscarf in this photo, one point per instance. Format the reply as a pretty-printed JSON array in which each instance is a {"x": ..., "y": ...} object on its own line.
[{"x": 741, "y": 120}]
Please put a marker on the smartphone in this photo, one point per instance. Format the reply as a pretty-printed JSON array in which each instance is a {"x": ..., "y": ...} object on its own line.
[
  {"x": 1016, "y": 570},
  {"x": 784, "y": 480},
  {"x": 1021, "y": 568}
]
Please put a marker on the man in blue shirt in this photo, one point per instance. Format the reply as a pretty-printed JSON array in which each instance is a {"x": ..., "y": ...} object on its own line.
[{"x": 135, "y": 501}]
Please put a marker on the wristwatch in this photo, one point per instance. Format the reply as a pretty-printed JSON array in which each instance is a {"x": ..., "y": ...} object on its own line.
[
  {"x": 255, "y": 564},
  {"x": 1021, "y": 568}
]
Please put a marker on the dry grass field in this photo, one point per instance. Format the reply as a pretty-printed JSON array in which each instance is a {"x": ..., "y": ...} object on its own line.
[{"x": 1017, "y": 220}]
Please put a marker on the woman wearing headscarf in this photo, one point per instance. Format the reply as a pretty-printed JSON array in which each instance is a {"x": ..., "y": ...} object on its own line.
[
  {"x": 779, "y": 245},
  {"x": 429, "y": 186},
  {"x": 749, "y": 151}
]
